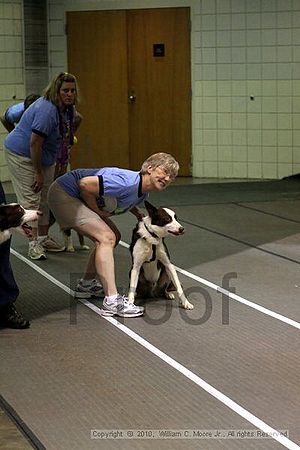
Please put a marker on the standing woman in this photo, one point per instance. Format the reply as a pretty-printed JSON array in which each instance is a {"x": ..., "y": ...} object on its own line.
[{"x": 31, "y": 152}]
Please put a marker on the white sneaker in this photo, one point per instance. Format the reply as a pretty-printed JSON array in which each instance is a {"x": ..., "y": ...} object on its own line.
[
  {"x": 50, "y": 245},
  {"x": 93, "y": 289},
  {"x": 36, "y": 251},
  {"x": 121, "y": 307}
]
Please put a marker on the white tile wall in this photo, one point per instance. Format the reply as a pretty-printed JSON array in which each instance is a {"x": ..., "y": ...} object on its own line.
[{"x": 255, "y": 45}]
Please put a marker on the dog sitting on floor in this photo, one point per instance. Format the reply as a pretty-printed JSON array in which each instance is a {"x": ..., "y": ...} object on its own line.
[
  {"x": 152, "y": 273},
  {"x": 14, "y": 216}
]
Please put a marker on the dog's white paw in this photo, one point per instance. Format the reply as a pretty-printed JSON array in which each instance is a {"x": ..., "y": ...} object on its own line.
[
  {"x": 184, "y": 303},
  {"x": 187, "y": 305},
  {"x": 169, "y": 295},
  {"x": 84, "y": 247},
  {"x": 69, "y": 247}
]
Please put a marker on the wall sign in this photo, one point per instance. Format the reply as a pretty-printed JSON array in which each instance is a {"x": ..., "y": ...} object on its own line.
[{"x": 158, "y": 50}]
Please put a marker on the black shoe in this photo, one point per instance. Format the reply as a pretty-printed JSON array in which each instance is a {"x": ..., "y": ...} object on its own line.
[{"x": 10, "y": 318}]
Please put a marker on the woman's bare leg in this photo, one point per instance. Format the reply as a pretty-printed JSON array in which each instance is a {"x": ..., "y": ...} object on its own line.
[
  {"x": 101, "y": 259},
  {"x": 90, "y": 270}
]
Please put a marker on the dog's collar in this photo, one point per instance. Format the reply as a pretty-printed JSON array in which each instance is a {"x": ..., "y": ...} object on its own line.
[{"x": 151, "y": 232}]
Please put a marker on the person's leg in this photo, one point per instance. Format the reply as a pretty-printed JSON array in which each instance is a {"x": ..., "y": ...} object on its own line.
[
  {"x": 101, "y": 259},
  {"x": 22, "y": 176},
  {"x": 48, "y": 243},
  {"x": 88, "y": 286},
  {"x": 91, "y": 270},
  {"x": 70, "y": 212},
  {"x": 9, "y": 290}
]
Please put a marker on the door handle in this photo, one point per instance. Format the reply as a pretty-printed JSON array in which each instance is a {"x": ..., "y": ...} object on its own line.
[{"x": 132, "y": 97}]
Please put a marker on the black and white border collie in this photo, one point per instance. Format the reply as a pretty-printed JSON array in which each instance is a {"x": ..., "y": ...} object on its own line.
[
  {"x": 152, "y": 273},
  {"x": 14, "y": 216}
]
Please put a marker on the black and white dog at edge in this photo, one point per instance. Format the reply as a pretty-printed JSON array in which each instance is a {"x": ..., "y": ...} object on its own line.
[
  {"x": 152, "y": 273},
  {"x": 14, "y": 217}
]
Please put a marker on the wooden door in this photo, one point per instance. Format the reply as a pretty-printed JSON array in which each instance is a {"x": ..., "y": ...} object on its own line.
[
  {"x": 97, "y": 56},
  {"x": 118, "y": 55},
  {"x": 159, "y": 81}
]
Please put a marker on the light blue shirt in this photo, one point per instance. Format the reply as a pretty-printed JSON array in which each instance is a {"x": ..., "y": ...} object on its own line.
[
  {"x": 14, "y": 113},
  {"x": 42, "y": 118},
  {"x": 119, "y": 189}
]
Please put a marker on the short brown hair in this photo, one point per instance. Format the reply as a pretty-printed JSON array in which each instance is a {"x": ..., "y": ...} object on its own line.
[{"x": 165, "y": 160}]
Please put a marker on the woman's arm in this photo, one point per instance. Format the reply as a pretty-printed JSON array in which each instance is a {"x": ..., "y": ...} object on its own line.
[
  {"x": 36, "y": 143},
  {"x": 89, "y": 191}
]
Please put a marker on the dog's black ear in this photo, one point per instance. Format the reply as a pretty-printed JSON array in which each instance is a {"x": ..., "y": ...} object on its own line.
[{"x": 150, "y": 208}]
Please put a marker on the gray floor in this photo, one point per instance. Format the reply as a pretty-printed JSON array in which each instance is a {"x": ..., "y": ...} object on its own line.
[{"x": 75, "y": 371}]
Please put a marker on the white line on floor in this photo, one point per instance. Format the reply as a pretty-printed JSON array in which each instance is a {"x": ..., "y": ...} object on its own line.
[
  {"x": 233, "y": 296},
  {"x": 287, "y": 443},
  {"x": 258, "y": 423}
]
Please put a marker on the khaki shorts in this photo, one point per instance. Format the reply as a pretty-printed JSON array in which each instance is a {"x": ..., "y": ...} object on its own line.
[
  {"x": 22, "y": 175},
  {"x": 70, "y": 212}
]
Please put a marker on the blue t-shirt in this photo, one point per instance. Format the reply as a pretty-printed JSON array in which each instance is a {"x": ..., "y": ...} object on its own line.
[
  {"x": 14, "y": 113},
  {"x": 42, "y": 118},
  {"x": 119, "y": 189}
]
